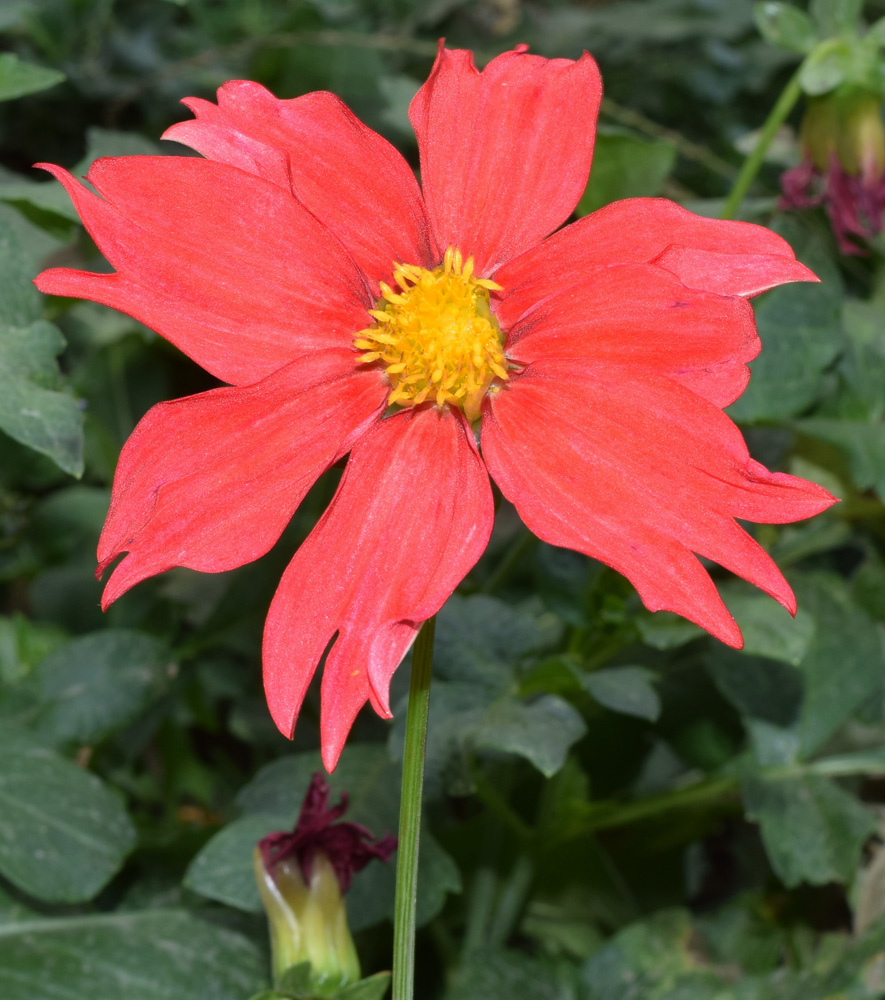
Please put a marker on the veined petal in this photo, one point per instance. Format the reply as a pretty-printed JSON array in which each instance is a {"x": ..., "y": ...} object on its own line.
[
  {"x": 505, "y": 153},
  {"x": 349, "y": 177},
  {"x": 731, "y": 258},
  {"x": 639, "y": 472},
  {"x": 638, "y": 314},
  {"x": 411, "y": 516},
  {"x": 210, "y": 481},
  {"x": 730, "y": 273},
  {"x": 227, "y": 266}
]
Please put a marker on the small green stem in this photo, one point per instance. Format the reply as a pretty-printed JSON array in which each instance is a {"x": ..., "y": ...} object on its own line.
[
  {"x": 479, "y": 911},
  {"x": 410, "y": 816},
  {"x": 783, "y": 106},
  {"x": 517, "y": 550},
  {"x": 511, "y": 902},
  {"x": 497, "y": 803}
]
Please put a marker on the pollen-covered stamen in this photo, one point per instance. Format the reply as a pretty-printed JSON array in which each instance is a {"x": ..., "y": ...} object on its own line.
[{"x": 436, "y": 336}]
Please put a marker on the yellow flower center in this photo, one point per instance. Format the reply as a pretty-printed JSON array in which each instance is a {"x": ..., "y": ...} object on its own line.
[{"x": 436, "y": 337}]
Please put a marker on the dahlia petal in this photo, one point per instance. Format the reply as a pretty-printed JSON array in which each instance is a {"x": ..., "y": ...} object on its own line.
[
  {"x": 746, "y": 275},
  {"x": 346, "y": 687},
  {"x": 505, "y": 153},
  {"x": 225, "y": 265},
  {"x": 348, "y": 176},
  {"x": 638, "y": 314},
  {"x": 746, "y": 258},
  {"x": 411, "y": 517},
  {"x": 210, "y": 481},
  {"x": 656, "y": 474}
]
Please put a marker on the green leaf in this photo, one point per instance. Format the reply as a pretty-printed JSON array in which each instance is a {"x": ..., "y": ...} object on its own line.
[
  {"x": 863, "y": 444},
  {"x": 454, "y": 709},
  {"x": 481, "y": 647},
  {"x": 651, "y": 960},
  {"x": 481, "y": 640},
  {"x": 628, "y": 690},
  {"x": 108, "y": 142},
  {"x": 32, "y": 410},
  {"x": 18, "y": 78},
  {"x": 844, "y": 663},
  {"x": 365, "y": 772},
  {"x": 769, "y": 629},
  {"x": 800, "y": 327},
  {"x": 63, "y": 835},
  {"x": 465, "y": 719},
  {"x": 23, "y": 248},
  {"x": 877, "y": 31},
  {"x": 758, "y": 688},
  {"x": 813, "y": 830},
  {"x": 664, "y": 630},
  {"x": 12, "y": 13},
  {"x": 828, "y": 66},
  {"x": 370, "y": 899},
  {"x": 34, "y": 414},
  {"x": 785, "y": 26},
  {"x": 149, "y": 955},
  {"x": 863, "y": 365},
  {"x": 24, "y": 644},
  {"x": 97, "y": 684},
  {"x": 44, "y": 202},
  {"x": 505, "y": 975},
  {"x": 800, "y": 707},
  {"x": 223, "y": 868},
  {"x": 373, "y": 988},
  {"x": 836, "y": 16},
  {"x": 626, "y": 166},
  {"x": 870, "y": 761},
  {"x": 541, "y": 731}
]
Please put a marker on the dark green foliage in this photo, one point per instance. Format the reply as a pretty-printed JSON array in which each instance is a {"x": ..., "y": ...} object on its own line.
[{"x": 617, "y": 806}]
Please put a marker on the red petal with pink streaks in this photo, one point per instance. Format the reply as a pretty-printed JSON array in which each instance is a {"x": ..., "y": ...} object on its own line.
[
  {"x": 210, "y": 481},
  {"x": 640, "y": 473},
  {"x": 638, "y": 314},
  {"x": 227, "y": 266},
  {"x": 728, "y": 273},
  {"x": 730, "y": 258},
  {"x": 349, "y": 177},
  {"x": 505, "y": 153},
  {"x": 411, "y": 517}
]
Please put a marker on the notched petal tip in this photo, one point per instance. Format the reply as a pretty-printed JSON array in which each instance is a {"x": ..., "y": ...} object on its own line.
[{"x": 281, "y": 711}]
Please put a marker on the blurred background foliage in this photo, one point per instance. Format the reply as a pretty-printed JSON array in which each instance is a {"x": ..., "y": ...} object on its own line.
[{"x": 618, "y": 807}]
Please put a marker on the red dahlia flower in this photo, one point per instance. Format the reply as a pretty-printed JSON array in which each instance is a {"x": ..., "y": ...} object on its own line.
[{"x": 301, "y": 263}]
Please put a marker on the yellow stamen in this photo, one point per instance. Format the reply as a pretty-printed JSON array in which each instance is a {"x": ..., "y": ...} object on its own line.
[{"x": 436, "y": 335}]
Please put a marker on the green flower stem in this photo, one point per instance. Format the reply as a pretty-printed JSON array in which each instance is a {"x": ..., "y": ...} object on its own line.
[
  {"x": 410, "y": 816},
  {"x": 783, "y": 106}
]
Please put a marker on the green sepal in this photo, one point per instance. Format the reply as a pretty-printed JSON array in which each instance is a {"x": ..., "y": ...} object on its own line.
[{"x": 297, "y": 984}]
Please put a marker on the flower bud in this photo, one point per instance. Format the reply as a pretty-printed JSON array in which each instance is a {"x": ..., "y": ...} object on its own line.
[
  {"x": 846, "y": 124},
  {"x": 843, "y": 144},
  {"x": 308, "y": 921},
  {"x": 302, "y": 877}
]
